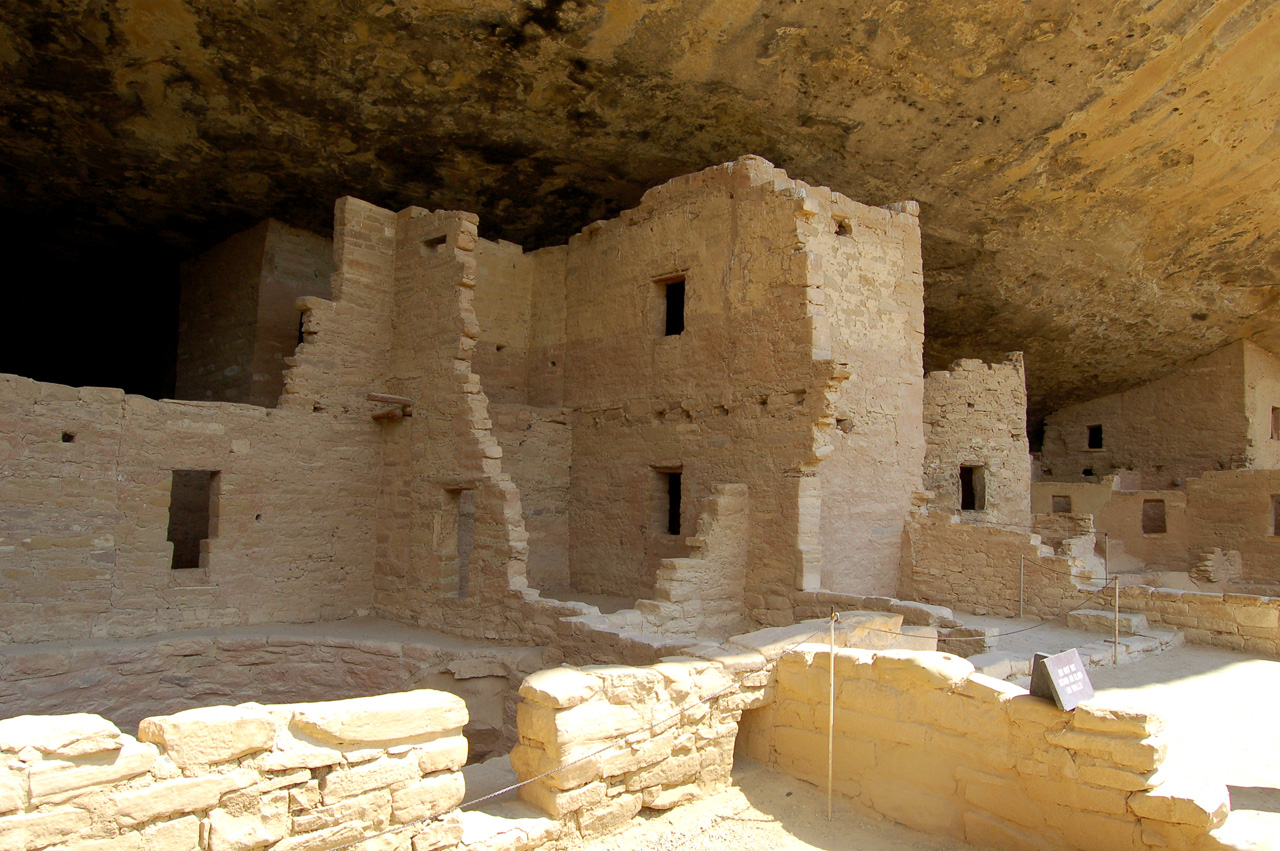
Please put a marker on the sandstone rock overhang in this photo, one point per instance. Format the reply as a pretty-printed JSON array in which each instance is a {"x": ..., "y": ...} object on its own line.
[{"x": 1097, "y": 181}]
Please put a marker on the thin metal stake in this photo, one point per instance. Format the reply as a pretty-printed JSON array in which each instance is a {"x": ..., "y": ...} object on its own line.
[
  {"x": 831, "y": 717},
  {"x": 1022, "y": 582},
  {"x": 1115, "y": 654}
]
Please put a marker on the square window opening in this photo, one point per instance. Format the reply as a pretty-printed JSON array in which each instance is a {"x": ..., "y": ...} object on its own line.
[
  {"x": 193, "y": 496},
  {"x": 1153, "y": 517},
  {"x": 973, "y": 488},
  {"x": 672, "y": 305},
  {"x": 1095, "y": 437},
  {"x": 1062, "y": 505}
]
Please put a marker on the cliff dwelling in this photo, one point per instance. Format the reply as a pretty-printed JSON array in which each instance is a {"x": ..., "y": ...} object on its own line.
[{"x": 444, "y": 428}]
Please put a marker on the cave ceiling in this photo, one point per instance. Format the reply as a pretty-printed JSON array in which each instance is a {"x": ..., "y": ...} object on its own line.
[{"x": 1099, "y": 181}]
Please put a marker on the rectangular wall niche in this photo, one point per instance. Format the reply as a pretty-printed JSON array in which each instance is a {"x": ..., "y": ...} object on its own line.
[
  {"x": 973, "y": 488},
  {"x": 193, "y": 507},
  {"x": 456, "y": 539},
  {"x": 1275, "y": 423},
  {"x": 672, "y": 292},
  {"x": 1153, "y": 520},
  {"x": 1062, "y": 505}
]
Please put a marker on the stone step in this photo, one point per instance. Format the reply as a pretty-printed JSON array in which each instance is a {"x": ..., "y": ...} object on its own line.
[
  {"x": 1005, "y": 666},
  {"x": 508, "y": 826},
  {"x": 1102, "y": 620}
]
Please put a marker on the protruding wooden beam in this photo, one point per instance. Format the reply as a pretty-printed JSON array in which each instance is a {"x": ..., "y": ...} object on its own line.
[{"x": 402, "y": 401}]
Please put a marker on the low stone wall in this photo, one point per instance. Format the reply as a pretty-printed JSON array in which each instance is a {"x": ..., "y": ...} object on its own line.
[
  {"x": 294, "y": 777},
  {"x": 646, "y": 737},
  {"x": 125, "y": 681},
  {"x": 924, "y": 740},
  {"x": 976, "y": 569},
  {"x": 1233, "y": 621}
]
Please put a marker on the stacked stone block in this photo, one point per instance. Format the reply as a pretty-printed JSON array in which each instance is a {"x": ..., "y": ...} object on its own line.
[
  {"x": 601, "y": 742},
  {"x": 303, "y": 777},
  {"x": 924, "y": 740}
]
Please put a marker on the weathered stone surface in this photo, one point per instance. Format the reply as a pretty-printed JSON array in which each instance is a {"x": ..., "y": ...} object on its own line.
[
  {"x": 186, "y": 795},
  {"x": 384, "y": 718},
  {"x": 261, "y": 820},
  {"x": 1015, "y": 146},
  {"x": 560, "y": 688},
  {"x": 59, "y": 735},
  {"x": 210, "y": 735},
  {"x": 55, "y": 781}
]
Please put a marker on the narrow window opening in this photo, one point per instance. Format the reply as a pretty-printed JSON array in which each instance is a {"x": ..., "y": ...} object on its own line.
[
  {"x": 302, "y": 321},
  {"x": 1095, "y": 437},
  {"x": 1062, "y": 505},
  {"x": 434, "y": 243},
  {"x": 1275, "y": 515},
  {"x": 1275, "y": 423},
  {"x": 457, "y": 539},
  {"x": 673, "y": 305},
  {"x": 973, "y": 488},
  {"x": 192, "y": 510},
  {"x": 671, "y": 489},
  {"x": 1153, "y": 521},
  {"x": 68, "y": 437}
]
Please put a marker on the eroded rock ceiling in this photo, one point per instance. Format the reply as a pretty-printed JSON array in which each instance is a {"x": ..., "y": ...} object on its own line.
[{"x": 1099, "y": 181}]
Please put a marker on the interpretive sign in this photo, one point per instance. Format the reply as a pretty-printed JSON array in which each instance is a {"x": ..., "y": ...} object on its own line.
[{"x": 1060, "y": 678}]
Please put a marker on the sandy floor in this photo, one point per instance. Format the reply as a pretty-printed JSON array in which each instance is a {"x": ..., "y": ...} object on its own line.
[{"x": 764, "y": 810}]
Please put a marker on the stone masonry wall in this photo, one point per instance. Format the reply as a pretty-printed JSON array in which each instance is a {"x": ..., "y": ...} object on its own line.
[
  {"x": 1235, "y": 510},
  {"x": 292, "y": 777},
  {"x": 976, "y": 569},
  {"x": 731, "y": 399},
  {"x": 789, "y": 290},
  {"x": 1261, "y": 394},
  {"x": 217, "y": 319},
  {"x": 295, "y": 264},
  {"x": 1189, "y": 422},
  {"x": 452, "y": 543},
  {"x": 84, "y": 498},
  {"x": 976, "y": 414},
  {"x": 638, "y": 738},
  {"x": 238, "y": 316},
  {"x": 865, "y": 295},
  {"x": 924, "y": 740}
]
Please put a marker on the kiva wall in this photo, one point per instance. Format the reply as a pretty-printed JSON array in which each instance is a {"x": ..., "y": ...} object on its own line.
[
  {"x": 294, "y": 776},
  {"x": 922, "y": 739}
]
